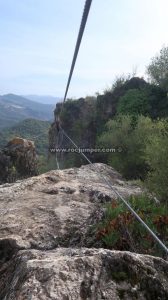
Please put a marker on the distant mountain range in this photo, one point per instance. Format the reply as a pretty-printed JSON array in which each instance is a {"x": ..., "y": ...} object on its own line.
[
  {"x": 43, "y": 99},
  {"x": 14, "y": 108}
]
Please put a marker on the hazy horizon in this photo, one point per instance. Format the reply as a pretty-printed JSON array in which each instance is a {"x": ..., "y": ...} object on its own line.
[{"x": 38, "y": 40}]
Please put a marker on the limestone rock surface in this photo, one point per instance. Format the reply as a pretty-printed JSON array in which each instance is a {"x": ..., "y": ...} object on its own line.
[
  {"x": 47, "y": 247},
  {"x": 58, "y": 207},
  {"x": 81, "y": 274}
]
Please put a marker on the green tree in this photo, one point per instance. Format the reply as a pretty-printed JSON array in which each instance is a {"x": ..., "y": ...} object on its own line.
[
  {"x": 157, "y": 158},
  {"x": 150, "y": 100},
  {"x": 158, "y": 69},
  {"x": 134, "y": 102},
  {"x": 144, "y": 152},
  {"x": 120, "y": 133}
]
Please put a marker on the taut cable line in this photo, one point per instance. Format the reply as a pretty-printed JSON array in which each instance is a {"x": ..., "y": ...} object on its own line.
[{"x": 79, "y": 39}]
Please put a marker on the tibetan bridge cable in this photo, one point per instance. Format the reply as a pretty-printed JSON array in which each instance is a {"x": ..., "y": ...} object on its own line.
[
  {"x": 79, "y": 39},
  {"x": 78, "y": 42}
]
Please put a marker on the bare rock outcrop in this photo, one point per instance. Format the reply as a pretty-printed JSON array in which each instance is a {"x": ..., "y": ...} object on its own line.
[
  {"x": 57, "y": 208},
  {"x": 18, "y": 160},
  {"x": 48, "y": 249},
  {"x": 81, "y": 274}
]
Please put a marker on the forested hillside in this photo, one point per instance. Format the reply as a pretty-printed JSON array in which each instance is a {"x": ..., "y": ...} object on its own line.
[{"x": 31, "y": 129}]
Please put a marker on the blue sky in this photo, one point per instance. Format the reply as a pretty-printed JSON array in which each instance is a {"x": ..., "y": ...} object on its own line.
[{"x": 38, "y": 39}]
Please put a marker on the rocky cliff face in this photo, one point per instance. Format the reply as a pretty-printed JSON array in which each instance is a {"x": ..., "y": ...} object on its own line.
[
  {"x": 78, "y": 118},
  {"x": 85, "y": 119},
  {"x": 48, "y": 245}
]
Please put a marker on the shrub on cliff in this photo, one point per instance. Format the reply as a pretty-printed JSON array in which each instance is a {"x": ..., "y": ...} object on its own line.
[{"x": 121, "y": 231}]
